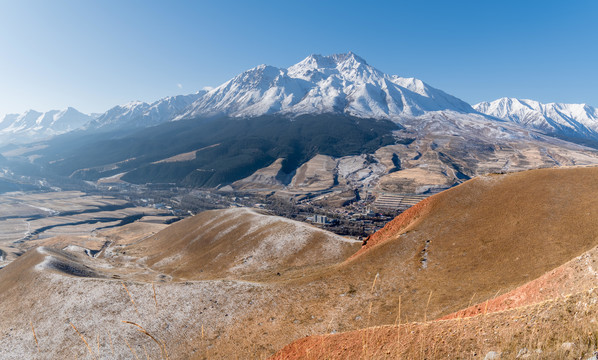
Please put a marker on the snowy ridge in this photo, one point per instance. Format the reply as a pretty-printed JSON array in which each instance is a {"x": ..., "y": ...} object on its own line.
[
  {"x": 142, "y": 114},
  {"x": 33, "y": 125},
  {"x": 564, "y": 119},
  {"x": 341, "y": 83}
]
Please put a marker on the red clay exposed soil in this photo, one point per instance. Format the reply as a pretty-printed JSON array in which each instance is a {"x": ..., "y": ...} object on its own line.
[
  {"x": 560, "y": 328},
  {"x": 533, "y": 292}
]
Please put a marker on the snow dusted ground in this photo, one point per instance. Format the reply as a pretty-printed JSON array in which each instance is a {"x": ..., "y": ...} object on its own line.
[
  {"x": 243, "y": 242},
  {"x": 185, "y": 316},
  {"x": 284, "y": 239},
  {"x": 361, "y": 170}
]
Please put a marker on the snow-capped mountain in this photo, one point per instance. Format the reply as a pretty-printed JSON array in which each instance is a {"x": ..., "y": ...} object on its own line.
[
  {"x": 341, "y": 83},
  {"x": 577, "y": 120},
  {"x": 142, "y": 114},
  {"x": 33, "y": 125}
]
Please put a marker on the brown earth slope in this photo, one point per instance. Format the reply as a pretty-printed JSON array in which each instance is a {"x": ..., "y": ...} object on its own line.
[
  {"x": 489, "y": 233},
  {"x": 463, "y": 246}
]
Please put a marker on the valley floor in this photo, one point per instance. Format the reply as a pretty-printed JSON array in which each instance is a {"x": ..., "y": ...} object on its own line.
[{"x": 29, "y": 219}]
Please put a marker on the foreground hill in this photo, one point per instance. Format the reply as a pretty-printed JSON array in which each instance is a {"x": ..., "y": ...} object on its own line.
[
  {"x": 240, "y": 244},
  {"x": 551, "y": 317},
  {"x": 500, "y": 231},
  {"x": 468, "y": 245}
]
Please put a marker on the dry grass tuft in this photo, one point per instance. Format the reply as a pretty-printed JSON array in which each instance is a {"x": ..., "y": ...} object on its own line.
[
  {"x": 84, "y": 341},
  {"x": 155, "y": 298},
  {"x": 427, "y": 306},
  {"x": 111, "y": 344},
  {"x": 34, "y": 336},
  {"x": 130, "y": 297},
  {"x": 161, "y": 344}
]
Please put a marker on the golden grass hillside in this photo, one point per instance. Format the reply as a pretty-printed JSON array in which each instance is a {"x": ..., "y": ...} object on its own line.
[
  {"x": 552, "y": 317},
  {"x": 491, "y": 234},
  {"x": 477, "y": 242},
  {"x": 464, "y": 246}
]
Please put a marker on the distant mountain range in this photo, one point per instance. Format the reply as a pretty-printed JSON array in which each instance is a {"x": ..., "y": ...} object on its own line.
[
  {"x": 575, "y": 121},
  {"x": 336, "y": 84},
  {"x": 32, "y": 125}
]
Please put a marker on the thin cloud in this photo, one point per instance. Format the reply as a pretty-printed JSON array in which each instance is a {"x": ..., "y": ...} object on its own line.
[{"x": 180, "y": 86}]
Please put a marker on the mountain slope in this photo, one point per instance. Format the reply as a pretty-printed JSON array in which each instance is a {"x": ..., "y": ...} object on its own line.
[
  {"x": 33, "y": 125},
  {"x": 340, "y": 84},
  {"x": 229, "y": 149},
  {"x": 565, "y": 120},
  {"x": 436, "y": 150}
]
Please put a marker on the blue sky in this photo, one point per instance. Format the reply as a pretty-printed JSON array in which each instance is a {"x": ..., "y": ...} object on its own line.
[{"x": 93, "y": 55}]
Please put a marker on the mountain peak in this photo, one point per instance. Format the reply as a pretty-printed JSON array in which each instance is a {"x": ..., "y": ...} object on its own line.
[
  {"x": 332, "y": 61},
  {"x": 69, "y": 111},
  {"x": 33, "y": 125},
  {"x": 321, "y": 63},
  {"x": 31, "y": 111},
  {"x": 141, "y": 114},
  {"x": 350, "y": 56},
  {"x": 340, "y": 83}
]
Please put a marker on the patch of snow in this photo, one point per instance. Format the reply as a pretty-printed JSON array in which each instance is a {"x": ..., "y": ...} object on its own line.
[{"x": 492, "y": 355}]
